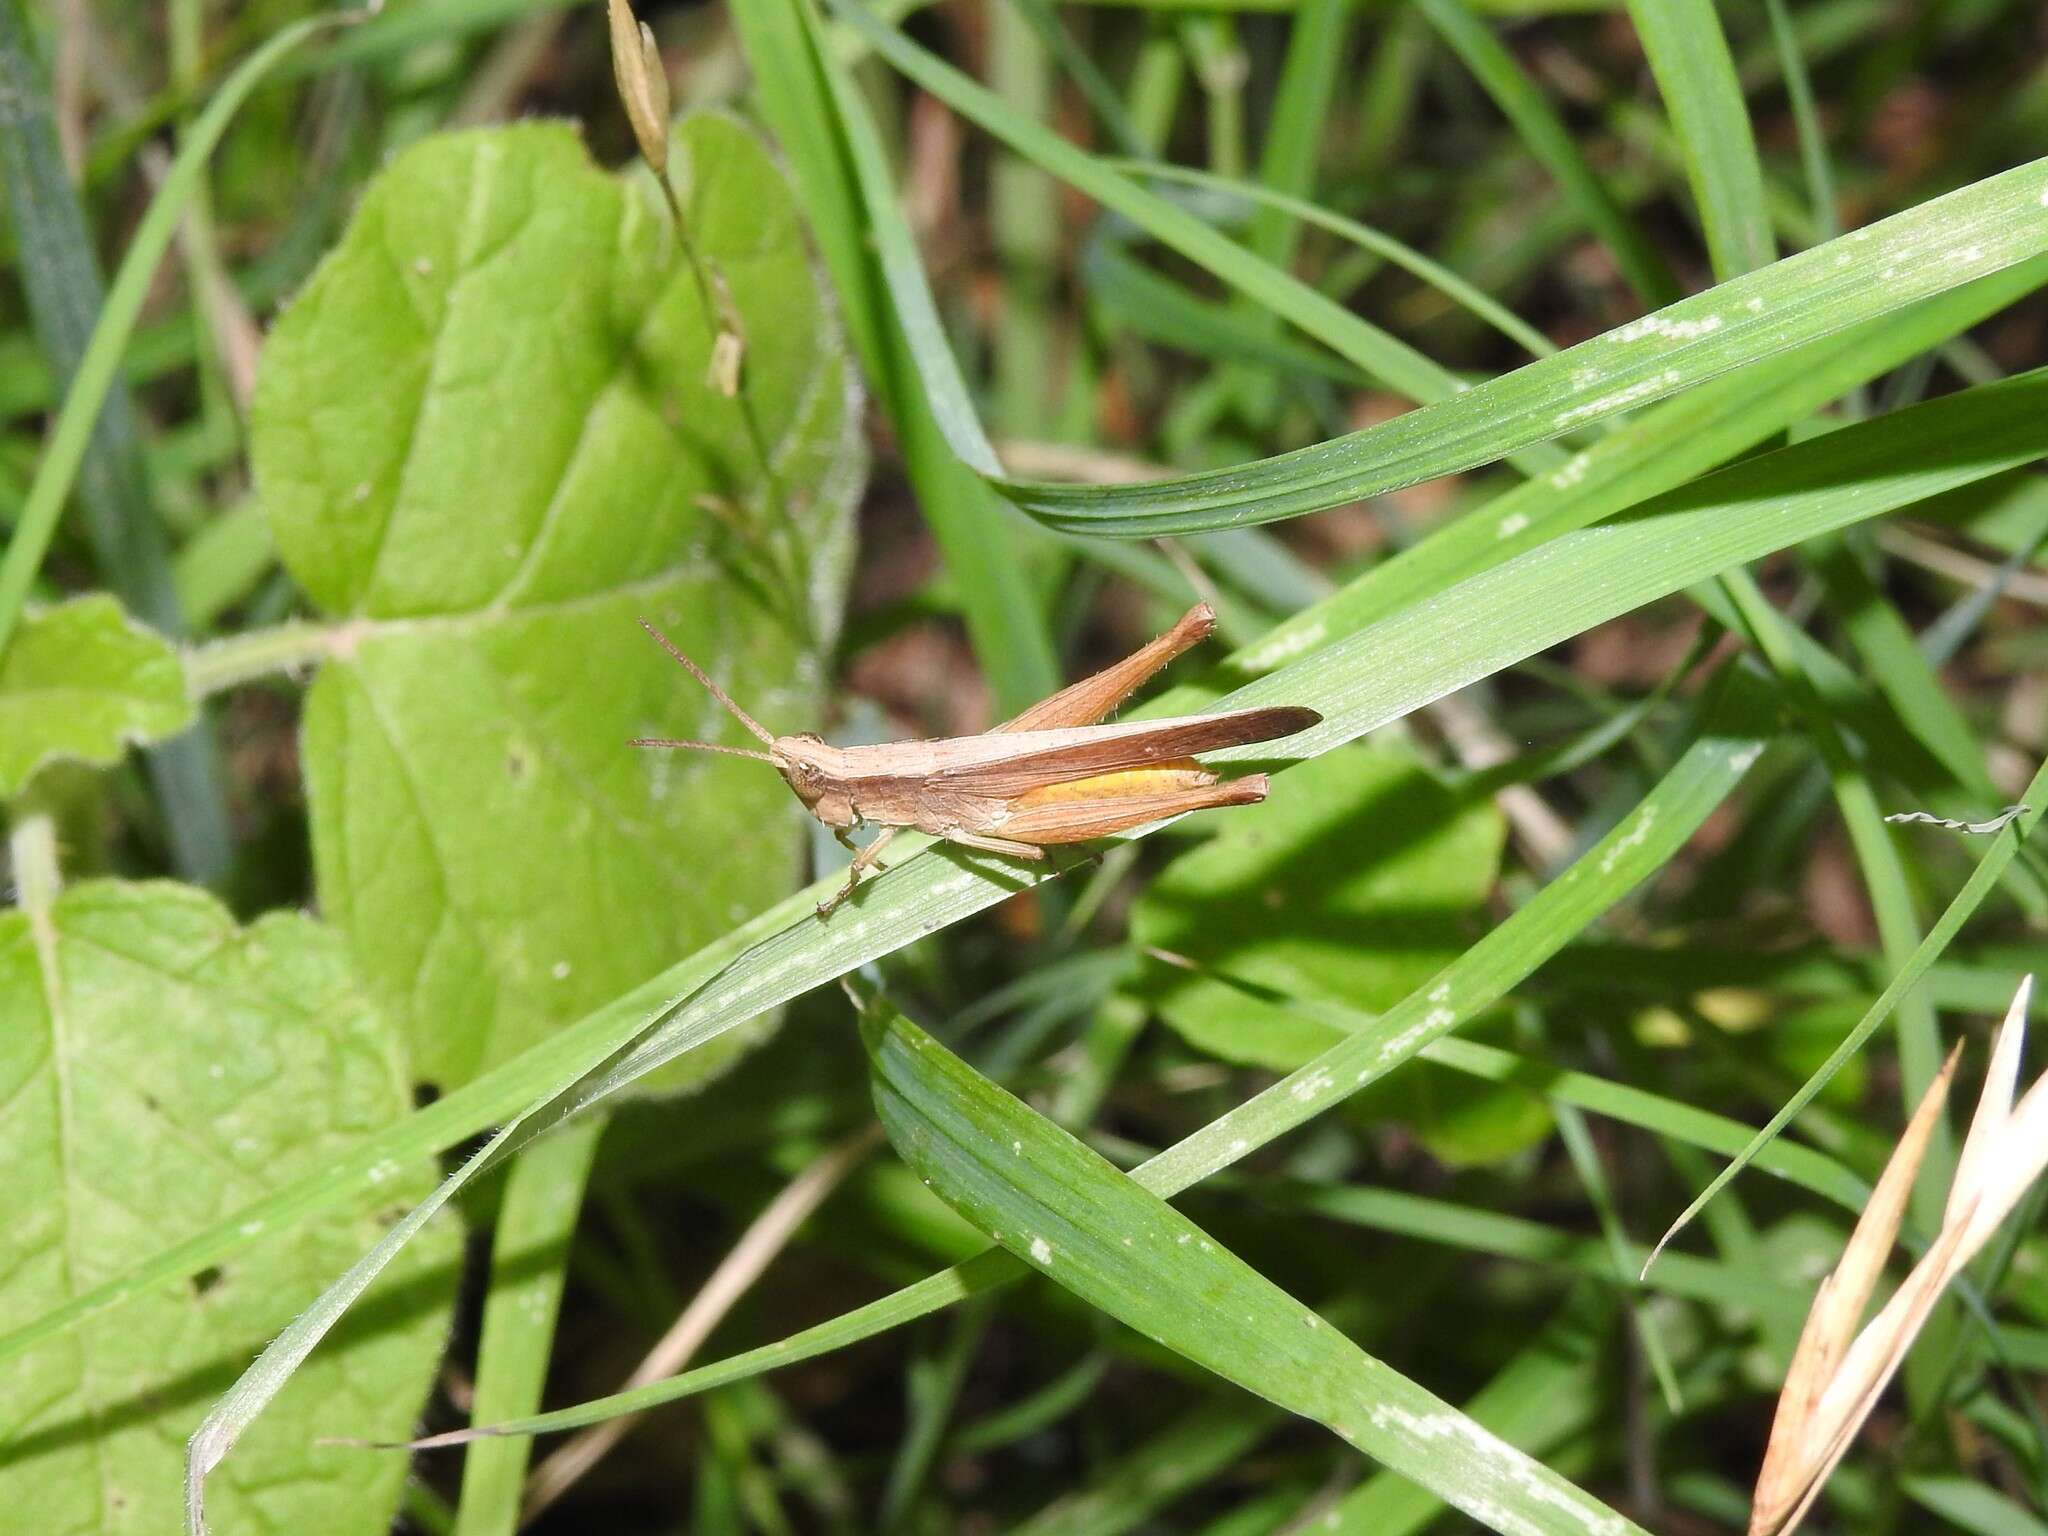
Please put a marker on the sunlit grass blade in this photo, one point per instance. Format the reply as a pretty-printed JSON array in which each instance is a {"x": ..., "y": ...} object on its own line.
[
  {"x": 1549, "y": 1391},
  {"x": 1071, "y": 1215},
  {"x": 1688, "y": 54},
  {"x": 1664, "y": 447}
]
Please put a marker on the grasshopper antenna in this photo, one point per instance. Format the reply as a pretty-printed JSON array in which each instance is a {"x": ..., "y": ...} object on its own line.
[
  {"x": 716, "y": 692},
  {"x": 699, "y": 746}
]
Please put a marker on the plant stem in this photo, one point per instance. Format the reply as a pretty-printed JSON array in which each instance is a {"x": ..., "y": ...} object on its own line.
[{"x": 238, "y": 659}]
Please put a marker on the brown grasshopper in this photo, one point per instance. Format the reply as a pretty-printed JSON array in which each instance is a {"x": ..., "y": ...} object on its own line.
[{"x": 1051, "y": 775}]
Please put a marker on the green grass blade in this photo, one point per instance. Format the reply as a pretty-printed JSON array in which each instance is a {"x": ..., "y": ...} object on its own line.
[
  {"x": 1301, "y": 107},
  {"x": 1439, "y": 277},
  {"x": 1060, "y": 1207},
  {"x": 101, "y": 360},
  {"x": 1813, "y": 144},
  {"x": 1549, "y": 1391},
  {"x": 1868, "y": 274},
  {"x": 1939, "y": 937},
  {"x": 1969, "y": 1506},
  {"x": 1382, "y": 356},
  {"x": 830, "y": 154},
  {"x": 1893, "y": 661},
  {"x": 1200, "y": 1445},
  {"x": 1474, "y": 1229},
  {"x": 1088, "y": 78},
  {"x": 529, "y": 1264},
  {"x": 1620, "y": 1102},
  {"x": 1545, "y": 136},
  {"x": 1663, "y": 448},
  {"x": 1688, "y": 54},
  {"x": 1884, "y": 877}
]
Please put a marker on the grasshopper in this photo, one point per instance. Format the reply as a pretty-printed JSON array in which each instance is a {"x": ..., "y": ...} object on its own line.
[{"x": 1052, "y": 775}]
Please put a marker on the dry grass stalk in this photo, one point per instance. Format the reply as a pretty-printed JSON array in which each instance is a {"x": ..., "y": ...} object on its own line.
[{"x": 1837, "y": 1374}]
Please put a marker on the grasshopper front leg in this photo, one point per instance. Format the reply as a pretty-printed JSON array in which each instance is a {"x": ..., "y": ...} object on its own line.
[{"x": 862, "y": 859}]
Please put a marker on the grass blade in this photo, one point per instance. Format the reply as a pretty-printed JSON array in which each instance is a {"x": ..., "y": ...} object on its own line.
[
  {"x": 101, "y": 360},
  {"x": 1939, "y": 937},
  {"x": 1860, "y": 278},
  {"x": 829, "y": 155},
  {"x": 529, "y": 1265},
  {"x": 1983, "y": 228},
  {"x": 1689, "y": 56},
  {"x": 1545, "y": 136},
  {"x": 1070, "y": 1214}
]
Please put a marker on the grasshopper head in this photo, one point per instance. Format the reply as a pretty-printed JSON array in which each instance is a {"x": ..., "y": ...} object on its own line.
[{"x": 801, "y": 761}]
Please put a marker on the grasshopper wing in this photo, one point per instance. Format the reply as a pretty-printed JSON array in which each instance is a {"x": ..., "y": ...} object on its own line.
[{"x": 1039, "y": 758}]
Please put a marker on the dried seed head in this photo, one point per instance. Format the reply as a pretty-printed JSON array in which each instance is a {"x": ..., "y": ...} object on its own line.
[{"x": 642, "y": 82}]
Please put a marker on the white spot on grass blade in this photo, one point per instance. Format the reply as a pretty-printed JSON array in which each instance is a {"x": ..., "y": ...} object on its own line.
[
  {"x": 1563, "y": 478},
  {"x": 1669, "y": 329},
  {"x": 1288, "y": 643},
  {"x": 1311, "y": 1086},
  {"x": 1041, "y": 1251},
  {"x": 1516, "y": 522},
  {"x": 1620, "y": 399},
  {"x": 1637, "y": 835}
]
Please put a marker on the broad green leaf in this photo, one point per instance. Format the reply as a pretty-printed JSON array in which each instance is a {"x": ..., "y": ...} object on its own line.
[
  {"x": 1058, "y": 1206},
  {"x": 1356, "y": 884},
  {"x": 488, "y": 443},
  {"x": 162, "y": 1069},
  {"x": 81, "y": 682}
]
